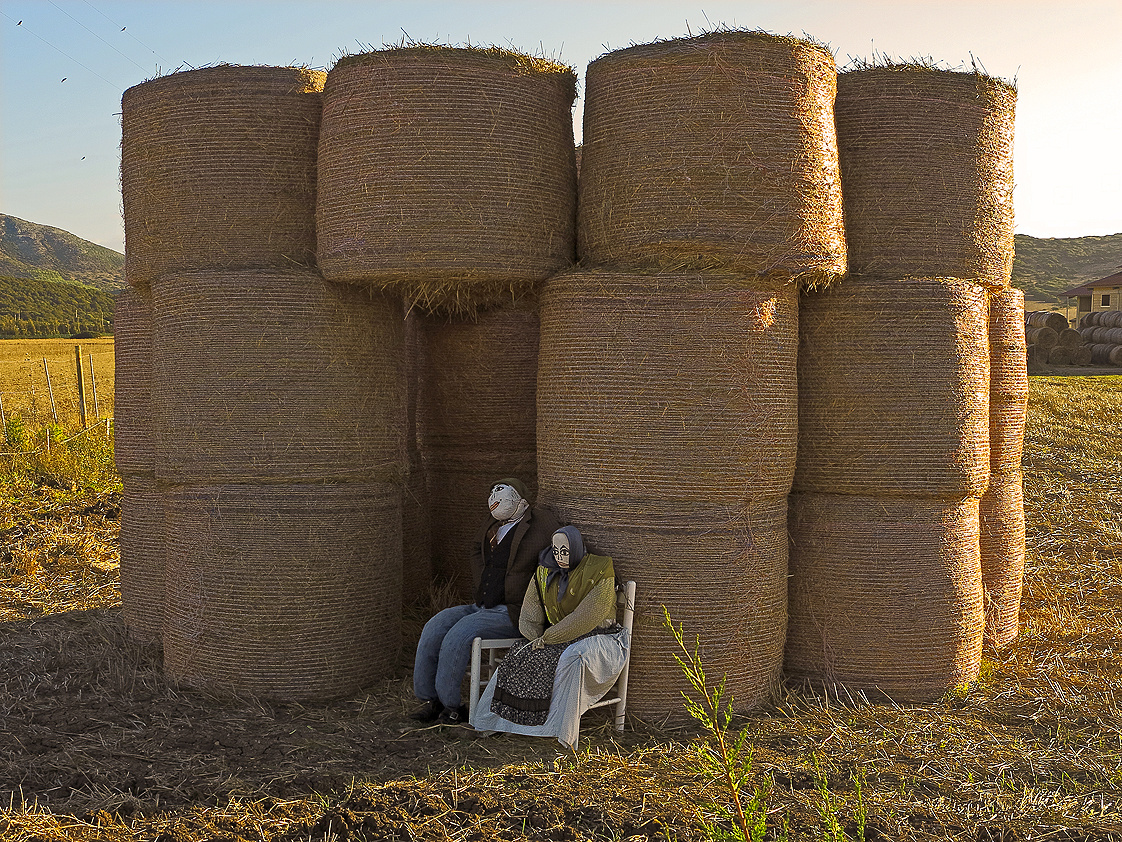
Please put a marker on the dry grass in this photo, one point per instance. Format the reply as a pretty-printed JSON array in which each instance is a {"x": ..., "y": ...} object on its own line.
[
  {"x": 97, "y": 746},
  {"x": 23, "y": 385}
]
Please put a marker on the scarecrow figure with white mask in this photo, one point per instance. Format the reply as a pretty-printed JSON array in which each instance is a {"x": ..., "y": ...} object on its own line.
[
  {"x": 573, "y": 652},
  {"x": 503, "y": 558}
]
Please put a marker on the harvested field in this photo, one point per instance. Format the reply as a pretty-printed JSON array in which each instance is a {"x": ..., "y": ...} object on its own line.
[{"x": 96, "y": 745}]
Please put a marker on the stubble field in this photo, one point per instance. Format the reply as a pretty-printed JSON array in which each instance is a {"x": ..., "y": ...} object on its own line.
[{"x": 95, "y": 744}]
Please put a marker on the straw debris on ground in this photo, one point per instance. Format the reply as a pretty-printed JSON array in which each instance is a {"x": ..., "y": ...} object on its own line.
[{"x": 97, "y": 745}]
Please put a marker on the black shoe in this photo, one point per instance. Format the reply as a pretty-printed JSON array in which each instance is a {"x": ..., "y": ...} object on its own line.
[
  {"x": 428, "y": 712},
  {"x": 454, "y": 716}
]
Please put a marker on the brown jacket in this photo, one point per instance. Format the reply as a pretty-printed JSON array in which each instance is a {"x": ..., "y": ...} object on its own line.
[{"x": 531, "y": 536}]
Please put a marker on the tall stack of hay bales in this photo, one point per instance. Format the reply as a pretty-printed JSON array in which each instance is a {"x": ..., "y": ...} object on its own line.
[
  {"x": 667, "y": 389},
  {"x": 278, "y": 395},
  {"x": 448, "y": 176},
  {"x": 894, "y": 388},
  {"x": 1051, "y": 341},
  {"x": 1102, "y": 333},
  {"x": 134, "y": 428}
]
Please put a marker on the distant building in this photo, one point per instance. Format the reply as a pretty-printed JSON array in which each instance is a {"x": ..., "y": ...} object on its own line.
[{"x": 1096, "y": 296}]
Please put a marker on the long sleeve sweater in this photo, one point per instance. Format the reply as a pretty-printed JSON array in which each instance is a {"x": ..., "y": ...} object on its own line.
[{"x": 598, "y": 606}]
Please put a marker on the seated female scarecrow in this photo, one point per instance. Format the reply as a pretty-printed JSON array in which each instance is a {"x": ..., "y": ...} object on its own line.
[{"x": 573, "y": 652}]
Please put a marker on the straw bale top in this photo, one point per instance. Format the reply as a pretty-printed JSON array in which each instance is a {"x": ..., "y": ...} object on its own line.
[
  {"x": 447, "y": 175},
  {"x": 249, "y": 78},
  {"x": 927, "y": 164},
  {"x": 716, "y": 152}
]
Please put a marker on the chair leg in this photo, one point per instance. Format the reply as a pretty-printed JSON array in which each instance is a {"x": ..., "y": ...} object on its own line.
[{"x": 476, "y": 656}]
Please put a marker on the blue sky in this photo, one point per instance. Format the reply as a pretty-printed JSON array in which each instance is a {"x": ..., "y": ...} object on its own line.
[{"x": 59, "y": 140}]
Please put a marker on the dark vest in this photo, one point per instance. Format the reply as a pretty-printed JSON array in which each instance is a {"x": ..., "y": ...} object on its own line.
[{"x": 492, "y": 584}]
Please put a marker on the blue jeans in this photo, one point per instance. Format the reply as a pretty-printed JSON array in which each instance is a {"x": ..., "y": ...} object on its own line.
[{"x": 444, "y": 650}]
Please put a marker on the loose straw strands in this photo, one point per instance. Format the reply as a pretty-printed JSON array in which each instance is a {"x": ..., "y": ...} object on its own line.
[
  {"x": 667, "y": 387},
  {"x": 143, "y": 555},
  {"x": 447, "y": 175},
  {"x": 715, "y": 152},
  {"x": 721, "y": 572},
  {"x": 1008, "y": 384},
  {"x": 885, "y": 594},
  {"x": 218, "y": 170},
  {"x": 927, "y": 165},
  {"x": 283, "y": 591},
  {"x": 894, "y": 389},
  {"x": 273, "y": 376},
  {"x": 134, "y": 424},
  {"x": 1002, "y": 516}
]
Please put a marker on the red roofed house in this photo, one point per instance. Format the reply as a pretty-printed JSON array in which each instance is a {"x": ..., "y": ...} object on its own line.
[{"x": 1096, "y": 296}]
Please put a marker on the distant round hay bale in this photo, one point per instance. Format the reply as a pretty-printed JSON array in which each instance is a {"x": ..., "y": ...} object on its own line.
[
  {"x": 1081, "y": 355},
  {"x": 447, "y": 174},
  {"x": 143, "y": 546},
  {"x": 1087, "y": 334},
  {"x": 1044, "y": 337},
  {"x": 1113, "y": 318},
  {"x": 134, "y": 423},
  {"x": 1088, "y": 320},
  {"x": 1114, "y": 335},
  {"x": 1069, "y": 338},
  {"x": 1114, "y": 355},
  {"x": 885, "y": 594},
  {"x": 1047, "y": 318},
  {"x": 1002, "y": 536},
  {"x": 664, "y": 387},
  {"x": 927, "y": 165},
  {"x": 1059, "y": 355},
  {"x": 476, "y": 380},
  {"x": 264, "y": 376},
  {"x": 1100, "y": 335},
  {"x": 1008, "y": 383},
  {"x": 720, "y": 571},
  {"x": 713, "y": 152},
  {"x": 416, "y": 528},
  {"x": 1036, "y": 354},
  {"x": 289, "y": 592},
  {"x": 894, "y": 389},
  {"x": 218, "y": 170},
  {"x": 1100, "y": 353}
]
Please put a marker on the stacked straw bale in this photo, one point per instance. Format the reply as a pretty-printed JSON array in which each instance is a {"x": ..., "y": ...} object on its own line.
[
  {"x": 283, "y": 591},
  {"x": 1001, "y": 508},
  {"x": 281, "y": 446},
  {"x": 927, "y": 166},
  {"x": 447, "y": 174},
  {"x": 475, "y": 421},
  {"x": 717, "y": 152},
  {"x": 667, "y": 422},
  {"x": 1102, "y": 334},
  {"x": 142, "y": 543},
  {"x": 416, "y": 529},
  {"x": 218, "y": 170}
]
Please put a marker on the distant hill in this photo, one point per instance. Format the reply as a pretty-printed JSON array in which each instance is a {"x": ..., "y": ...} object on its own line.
[
  {"x": 1044, "y": 268},
  {"x": 30, "y": 250},
  {"x": 31, "y": 307}
]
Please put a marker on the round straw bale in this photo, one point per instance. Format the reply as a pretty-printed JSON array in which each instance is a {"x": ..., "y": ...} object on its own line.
[
  {"x": 1045, "y": 337},
  {"x": 1100, "y": 334},
  {"x": 447, "y": 174},
  {"x": 720, "y": 571},
  {"x": 927, "y": 164},
  {"x": 1059, "y": 355},
  {"x": 885, "y": 593},
  {"x": 1069, "y": 338},
  {"x": 1081, "y": 355},
  {"x": 1008, "y": 383},
  {"x": 1115, "y": 355},
  {"x": 1088, "y": 320},
  {"x": 667, "y": 387},
  {"x": 713, "y": 152},
  {"x": 416, "y": 530},
  {"x": 218, "y": 170},
  {"x": 1087, "y": 334},
  {"x": 1100, "y": 353},
  {"x": 1047, "y": 318},
  {"x": 283, "y": 591},
  {"x": 459, "y": 483},
  {"x": 134, "y": 444},
  {"x": 894, "y": 389},
  {"x": 1036, "y": 354},
  {"x": 1002, "y": 536},
  {"x": 143, "y": 555},
  {"x": 1112, "y": 318},
  {"x": 1114, "y": 335},
  {"x": 277, "y": 376}
]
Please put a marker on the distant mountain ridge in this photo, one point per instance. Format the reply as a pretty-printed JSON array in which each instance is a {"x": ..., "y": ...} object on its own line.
[
  {"x": 31, "y": 250},
  {"x": 1045, "y": 268}
]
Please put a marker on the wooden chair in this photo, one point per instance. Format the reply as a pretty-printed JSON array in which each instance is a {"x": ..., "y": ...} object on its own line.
[{"x": 496, "y": 648}]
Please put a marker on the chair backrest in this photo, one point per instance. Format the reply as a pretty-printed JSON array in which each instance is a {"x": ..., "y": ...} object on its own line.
[{"x": 625, "y": 600}]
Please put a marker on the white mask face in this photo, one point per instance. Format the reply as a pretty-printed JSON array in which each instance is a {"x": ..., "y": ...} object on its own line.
[
  {"x": 503, "y": 502},
  {"x": 561, "y": 550}
]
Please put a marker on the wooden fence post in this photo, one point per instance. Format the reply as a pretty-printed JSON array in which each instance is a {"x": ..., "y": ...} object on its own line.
[
  {"x": 93, "y": 388},
  {"x": 81, "y": 384},
  {"x": 51, "y": 392},
  {"x": 3, "y": 419}
]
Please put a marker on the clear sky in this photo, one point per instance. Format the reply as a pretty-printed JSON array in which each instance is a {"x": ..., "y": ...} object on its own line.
[{"x": 64, "y": 68}]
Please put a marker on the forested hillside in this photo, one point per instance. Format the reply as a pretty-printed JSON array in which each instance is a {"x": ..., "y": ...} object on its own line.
[
  {"x": 1044, "y": 268},
  {"x": 30, "y": 307}
]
